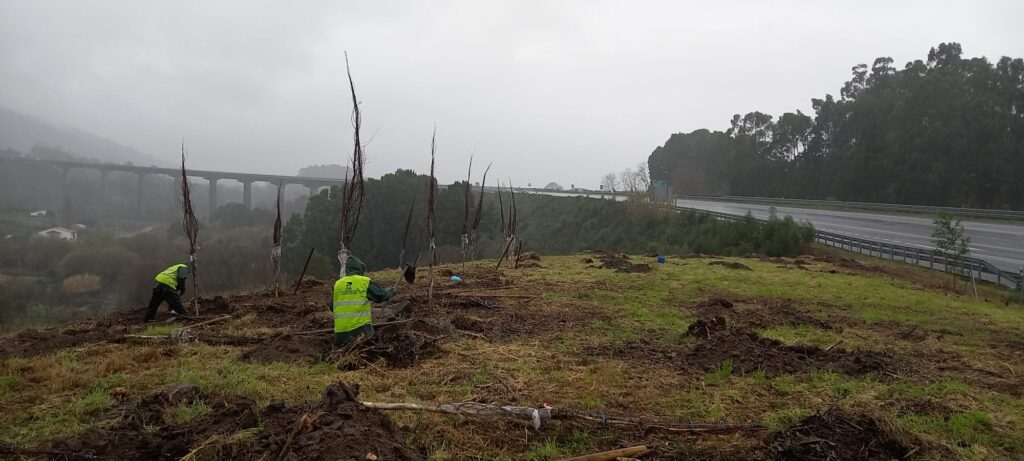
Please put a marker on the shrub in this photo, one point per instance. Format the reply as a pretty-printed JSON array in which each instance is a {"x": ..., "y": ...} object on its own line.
[{"x": 80, "y": 283}]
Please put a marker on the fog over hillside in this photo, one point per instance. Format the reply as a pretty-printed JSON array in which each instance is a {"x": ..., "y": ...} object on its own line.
[{"x": 22, "y": 132}]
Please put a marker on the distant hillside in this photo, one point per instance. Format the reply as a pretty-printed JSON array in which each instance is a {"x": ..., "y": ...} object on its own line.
[
  {"x": 23, "y": 132},
  {"x": 333, "y": 171}
]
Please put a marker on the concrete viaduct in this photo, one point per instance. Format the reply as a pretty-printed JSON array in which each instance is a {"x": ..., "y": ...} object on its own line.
[{"x": 212, "y": 177}]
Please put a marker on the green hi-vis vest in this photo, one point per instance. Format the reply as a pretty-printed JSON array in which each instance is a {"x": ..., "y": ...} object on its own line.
[
  {"x": 351, "y": 308},
  {"x": 169, "y": 276}
]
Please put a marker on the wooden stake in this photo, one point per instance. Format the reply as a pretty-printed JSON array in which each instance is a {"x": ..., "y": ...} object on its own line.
[
  {"x": 610, "y": 455},
  {"x": 303, "y": 274}
]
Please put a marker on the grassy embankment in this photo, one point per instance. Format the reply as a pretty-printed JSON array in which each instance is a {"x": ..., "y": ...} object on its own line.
[{"x": 605, "y": 341}]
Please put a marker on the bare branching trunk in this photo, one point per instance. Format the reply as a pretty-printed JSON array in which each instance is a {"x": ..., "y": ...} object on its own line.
[
  {"x": 275, "y": 252},
  {"x": 464, "y": 238},
  {"x": 190, "y": 225},
  {"x": 509, "y": 247},
  {"x": 431, "y": 203},
  {"x": 353, "y": 193},
  {"x": 474, "y": 231}
]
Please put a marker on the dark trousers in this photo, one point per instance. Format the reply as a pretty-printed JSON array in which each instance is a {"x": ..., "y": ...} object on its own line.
[
  {"x": 163, "y": 293},
  {"x": 341, "y": 339}
]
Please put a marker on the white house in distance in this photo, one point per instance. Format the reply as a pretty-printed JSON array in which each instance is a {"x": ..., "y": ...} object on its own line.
[
  {"x": 38, "y": 213},
  {"x": 59, "y": 232}
]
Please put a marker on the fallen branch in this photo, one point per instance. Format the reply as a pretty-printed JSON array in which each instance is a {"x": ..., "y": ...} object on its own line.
[
  {"x": 540, "y": 416},
  {"x": 291, "y": 437},
  {"x": 834, "y": 345},
  {"x": 493, "y": 295},
  {"x": 208, "y": 322},
  {"x": 470, "y": 333},
  {"x": 331, "y": 330},
  {"x": 610, "y": 455}
]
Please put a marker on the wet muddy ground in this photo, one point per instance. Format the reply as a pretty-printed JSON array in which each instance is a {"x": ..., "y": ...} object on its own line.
[
  {"x": 835, "y": 434},
  {"x": 336, "y": 427}
]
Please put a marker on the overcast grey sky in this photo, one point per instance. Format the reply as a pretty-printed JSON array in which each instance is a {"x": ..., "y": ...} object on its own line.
[{"x": 549, "y": 90}]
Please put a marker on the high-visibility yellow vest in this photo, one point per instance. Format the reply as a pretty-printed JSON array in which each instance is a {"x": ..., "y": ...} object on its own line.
[
  {"x": 169, "y": 276},
  {"x": 351, "y": 308}
]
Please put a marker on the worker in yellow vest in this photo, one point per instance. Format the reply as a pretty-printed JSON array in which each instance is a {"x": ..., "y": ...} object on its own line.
[
  {"x": 170, "y": 285},
  {"x": 351, "y": 302}
]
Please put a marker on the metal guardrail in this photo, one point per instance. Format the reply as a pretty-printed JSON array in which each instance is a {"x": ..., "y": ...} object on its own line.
[
  {"x": 967, "y": 212},
  {"x": 979, "y": 268}
]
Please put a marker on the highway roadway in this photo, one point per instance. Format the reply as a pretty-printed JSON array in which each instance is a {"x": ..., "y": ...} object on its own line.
[{"x": 1000, "y": 244}]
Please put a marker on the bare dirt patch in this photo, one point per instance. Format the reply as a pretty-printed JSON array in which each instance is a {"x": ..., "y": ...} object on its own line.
[
  {"x": 337, "y": 427},
  {"x": 38, "y": 342},
  {"x": 923, "y": 406},
  {"x": 749, "y": 352},
  {"x": 140, "y": 430},
  {"x": 760, "y": 313},
  {"x": 290, "y": 348},
  {"x": 836, "y": 435},
  {"x": 618, "y": 262}
]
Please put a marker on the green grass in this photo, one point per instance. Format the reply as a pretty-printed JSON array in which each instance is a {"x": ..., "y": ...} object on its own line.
[
  {"x": 93, "y": 403},
  {"x": 579, "y": 442},
  {"x": 599, "y": 365},
  {"x": 161, "y": 330},
  {"x": 185, "y": 413},
  {"x": 217, "y": 372},
  {"x": 721, "y": 373},
  {"x": 9, "y": 384},
  {"x": 801, "y": 335}
]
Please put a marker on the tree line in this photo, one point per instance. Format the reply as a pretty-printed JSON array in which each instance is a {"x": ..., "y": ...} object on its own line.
[
  {"x": 549, "y": 225},
  {"x": 945, "y": 131},
  {"x": 49, "y": 281}
]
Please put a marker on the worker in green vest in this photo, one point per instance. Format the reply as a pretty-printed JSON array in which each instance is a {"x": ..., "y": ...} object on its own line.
[
  {"x": 351, "y": 302},
  {"x": 170, "y": 285}
]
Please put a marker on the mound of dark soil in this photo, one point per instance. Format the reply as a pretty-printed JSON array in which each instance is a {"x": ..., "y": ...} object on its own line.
[
  {"x": 337, "y": 427},
  {"x": 924, "y": 406},
  {"x": 782, "y": 314},
  {"x": 399, "y": 348},
  {"x": 714, "y": 307},
  {"x": 836, "y": 435},
  {"x": 619, "y": 262},
  {"x": 37, "y": 342},
  {"x": 730, "y": 265},
  {"x": 291, "y": 348},
  {"x": 141, "y": 431},
  {"x": 705, "y": 327},
  {"x": 764, "y": 313},
  {"x": 529, "y": 256},
  {"x": 847, "y": 263},
  {"x": 749, "y": 352}
]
